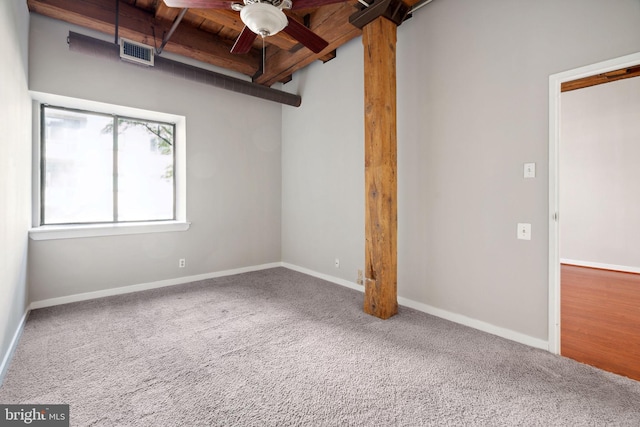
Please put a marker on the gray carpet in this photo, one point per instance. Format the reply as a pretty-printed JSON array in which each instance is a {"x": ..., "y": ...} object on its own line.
[{"x": 279, "y": 348}]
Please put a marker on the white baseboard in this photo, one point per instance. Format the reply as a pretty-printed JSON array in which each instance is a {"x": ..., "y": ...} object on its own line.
[
  {"x": 601, "y": 266},
  {"x": 12, "y": 347},
  {"x": 145, "y": 286},
  {"x": 476, "y": 324},
  {"x": 322, "y": 276},
  {"x": 444, "y": 314}
]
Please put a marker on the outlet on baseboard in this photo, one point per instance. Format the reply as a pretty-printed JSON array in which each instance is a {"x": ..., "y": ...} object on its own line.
[{"x": 360, "y": 278}]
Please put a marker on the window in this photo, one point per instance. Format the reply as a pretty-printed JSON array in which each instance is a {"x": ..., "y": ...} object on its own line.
[
  {"x": 102, "y": 169},
  {"x": 99, "y": 168}
]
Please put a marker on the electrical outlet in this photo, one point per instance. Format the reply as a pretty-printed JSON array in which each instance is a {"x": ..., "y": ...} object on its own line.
[
  {"x": 182, "y": 263},
  {"x": 337, "y": 263},
  {"x": 360, "y": 279}
]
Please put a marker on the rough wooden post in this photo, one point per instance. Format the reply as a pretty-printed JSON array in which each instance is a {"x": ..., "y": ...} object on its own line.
[{"x": 381, "y": 220}]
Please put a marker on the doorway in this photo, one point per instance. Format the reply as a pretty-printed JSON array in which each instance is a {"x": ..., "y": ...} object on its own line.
[{"x": 555, "y": 210}]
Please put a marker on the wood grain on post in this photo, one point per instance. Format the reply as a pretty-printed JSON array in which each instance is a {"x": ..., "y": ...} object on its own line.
[{"x": 381, "y": 222}]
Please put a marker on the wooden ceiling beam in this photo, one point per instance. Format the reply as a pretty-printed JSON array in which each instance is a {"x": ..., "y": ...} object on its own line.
[
  {"x": 138, "y": 25},
  {"x": 227, "y": 18},
  {"x": 198, "y": 41},
  {"x": 165, "y": 12},
  {"x": 283, "y": 66},
  {"x": 145, "y": 4},
  {"x": 329, "y": 22},
  {"x": 394, "y": 10},
  {"x": 412, "y": 3}
]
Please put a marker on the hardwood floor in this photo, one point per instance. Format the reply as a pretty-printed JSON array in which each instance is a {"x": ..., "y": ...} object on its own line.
[{"x": 600, "y": 318}]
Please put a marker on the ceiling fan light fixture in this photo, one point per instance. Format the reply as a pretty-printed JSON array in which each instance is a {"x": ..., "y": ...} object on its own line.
[{"x": 263, "y": 18}]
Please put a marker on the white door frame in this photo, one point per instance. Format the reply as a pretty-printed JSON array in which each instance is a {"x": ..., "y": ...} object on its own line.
[{"x": 555, "y": 81}]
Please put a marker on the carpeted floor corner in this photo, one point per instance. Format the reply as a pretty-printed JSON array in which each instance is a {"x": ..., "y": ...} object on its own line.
[{"x": 279, "y": 348}]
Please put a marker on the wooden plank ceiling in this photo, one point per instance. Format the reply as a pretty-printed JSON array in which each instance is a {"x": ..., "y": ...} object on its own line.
[{"x": 207, "y": 35}]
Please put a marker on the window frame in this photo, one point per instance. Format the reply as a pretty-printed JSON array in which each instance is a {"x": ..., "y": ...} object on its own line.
[
  {"x": 116, "y": 164},
  {"x": 63, "y": 231}
]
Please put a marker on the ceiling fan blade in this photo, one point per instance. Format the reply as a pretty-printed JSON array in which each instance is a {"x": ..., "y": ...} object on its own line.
[
  {"x": 202, "y": 4},
  {"x": 244, "y": 41},
  {"x": 305, "y": 36},
  {"x": 306, "y": 4}
]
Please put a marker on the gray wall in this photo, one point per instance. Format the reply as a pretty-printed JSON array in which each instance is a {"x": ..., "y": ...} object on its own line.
[
  {"x": 322, "y": 167},
  {"x": 15, "y": 165},
  {"x": 599, "y": 174},
  {"x": 472, "y": 108},
  {"x": 233, "y": 175}
]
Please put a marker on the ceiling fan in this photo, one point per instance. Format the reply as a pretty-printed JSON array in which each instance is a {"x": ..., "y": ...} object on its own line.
[{"x": 264, "y": 18}]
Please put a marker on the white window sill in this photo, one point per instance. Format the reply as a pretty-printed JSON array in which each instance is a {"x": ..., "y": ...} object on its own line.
[{"x": 51, "y": 232}]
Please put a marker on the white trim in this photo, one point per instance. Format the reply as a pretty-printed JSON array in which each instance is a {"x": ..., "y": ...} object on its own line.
[
  {"x": 103, "y": 107},
  {"x": 555, "y": 82},
  {"x": 601, "y": 266},
  {"x": 4, "y": 367},
  {"x": 476, "y": 324},
  {"x": 444, "y": 314},
  {"x": 50, "y": 232},
  {"x": 145, "y": 286},
  {"x": 554, "y": 229},
  {"x": 322, "y": 276}
]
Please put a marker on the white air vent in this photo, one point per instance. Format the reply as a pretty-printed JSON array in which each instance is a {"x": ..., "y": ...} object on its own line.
[{"x": 136, "y": 52}]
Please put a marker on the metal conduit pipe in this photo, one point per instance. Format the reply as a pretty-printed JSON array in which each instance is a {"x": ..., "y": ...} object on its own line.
[
  {"x": 99, "y": 48},
  {"x": 419, "y": 5},
  {"x": 166, "y": 38},
  {"x": 116, "y": 41}
]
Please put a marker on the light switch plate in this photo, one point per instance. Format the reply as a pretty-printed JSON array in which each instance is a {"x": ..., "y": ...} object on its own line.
[
  {"x": 524, "y": 231},
  {"x": 529, "y": 170}
]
